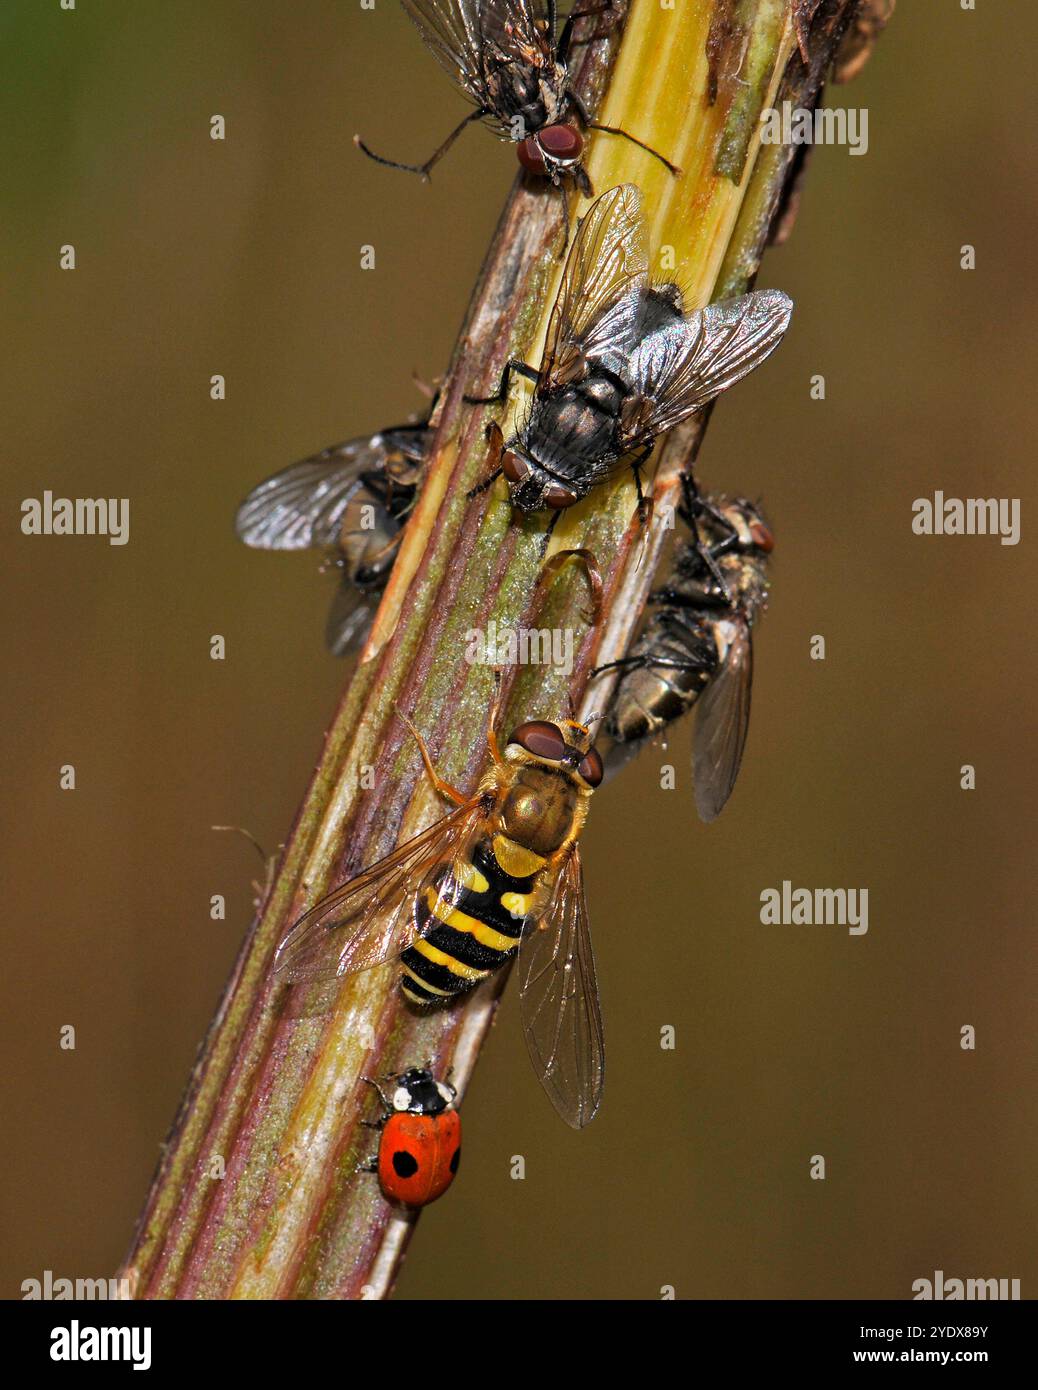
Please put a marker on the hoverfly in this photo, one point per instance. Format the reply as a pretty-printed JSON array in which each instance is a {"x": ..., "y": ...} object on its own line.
[
  {"x": 500, "y": 875},
  {"x": 351, "y": 501},
  {"x": 697, "y": 647},
  {"x": 506, "y": 59},
  {"x": 622, "y": 363}
]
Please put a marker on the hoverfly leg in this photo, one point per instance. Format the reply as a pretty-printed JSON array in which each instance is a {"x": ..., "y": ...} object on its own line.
[
  {"x": 492, "y": 718},
  {"x": 514, "y": 364},
  {"x": 422, "y": 170},
  {"x": 444, "y": 788},
  {"x": 496, "y": 441}
]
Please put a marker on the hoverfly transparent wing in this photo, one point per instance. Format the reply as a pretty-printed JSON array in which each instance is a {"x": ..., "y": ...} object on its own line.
[
  {"x": 678, "y": 369},
  {"x": 558, "y": 996},
  {"x": 372, "y": 918},
  {"x": 722, "y": 723},
  {"x": 304, "y": 504},
  {"x": 596, "y": 308}
]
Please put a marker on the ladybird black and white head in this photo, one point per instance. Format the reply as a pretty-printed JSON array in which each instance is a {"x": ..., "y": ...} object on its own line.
[{"x": 417, "y": 1092}]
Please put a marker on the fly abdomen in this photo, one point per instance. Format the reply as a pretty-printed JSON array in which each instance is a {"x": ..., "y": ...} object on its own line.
[
  {"x": 670, "y": 671},
  {"x": 574, "y": 430},
  {"x": 467, "y": 931}
]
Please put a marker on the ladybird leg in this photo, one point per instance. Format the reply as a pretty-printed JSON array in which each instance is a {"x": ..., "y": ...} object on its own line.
[
  {"x": 443, "y": 787},
  {"x": 370, "y": 1167},
  {"x": 381, "y": 1094}
]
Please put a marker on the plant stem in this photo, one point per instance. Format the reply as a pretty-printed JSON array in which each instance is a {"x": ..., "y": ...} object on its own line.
[{"x": 256, "y": 1195}]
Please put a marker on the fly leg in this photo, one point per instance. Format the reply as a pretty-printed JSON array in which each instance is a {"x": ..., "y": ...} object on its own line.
[
  {"x": 645, "y": 504},
  {"x": 566, "y": 39},
  {"x": 594, "y": 578},
  {"x": 422, "y": 170},
  {"x": 588, "y": 124},
  {"x": 514, "y": 364},
  {"x": 695, "y": 505},
  {"x": 497, "y": 443},
  {"x": 444, "y": 788}
]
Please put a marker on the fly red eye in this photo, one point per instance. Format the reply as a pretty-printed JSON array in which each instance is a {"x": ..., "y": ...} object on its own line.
[
  {"x": 762, "y": 537},
  {"x": 530, "y": 156},
  {"x": 513, "y": 467},
  {"x": 562, "y": 142},
  {"x": 591, "y": 768},
  {"x": 558, "y": 497},
  {"x": 541, "y": 739}
]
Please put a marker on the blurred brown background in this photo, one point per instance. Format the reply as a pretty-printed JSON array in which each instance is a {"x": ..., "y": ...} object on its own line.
[{"x": 242, "y": 258}]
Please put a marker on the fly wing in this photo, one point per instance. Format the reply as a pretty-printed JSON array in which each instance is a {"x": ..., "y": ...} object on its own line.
[
  {"x": 349, "y": 617},
  {"x": 722, "y": 723},
  {"x": 372, "y": 917},
  {"x": 597, "y": 306},
  {"x": 452, "y": 30},
  {"x": 518, "y": 30},
  {"x": 304, "y": 504},
  {"x": 558, "y": 995},
  {"x": 681, "y": 367}
]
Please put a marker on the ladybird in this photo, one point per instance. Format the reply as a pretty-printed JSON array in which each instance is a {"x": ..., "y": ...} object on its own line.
[{"x": 420, "y": 1137}]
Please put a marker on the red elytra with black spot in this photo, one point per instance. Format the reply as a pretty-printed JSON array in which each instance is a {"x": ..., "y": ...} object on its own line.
[{"x": 418, "y": 1156}]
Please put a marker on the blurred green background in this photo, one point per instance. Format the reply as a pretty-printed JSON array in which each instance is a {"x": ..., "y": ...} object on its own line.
[{"x": 242, "y": 258}]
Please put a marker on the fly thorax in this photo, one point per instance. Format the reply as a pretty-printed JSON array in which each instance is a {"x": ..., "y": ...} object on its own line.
[
  {"x": 724, "y": 635},
  {"x": 521, "y": 95},
  {"x": 538, "y": 810}
]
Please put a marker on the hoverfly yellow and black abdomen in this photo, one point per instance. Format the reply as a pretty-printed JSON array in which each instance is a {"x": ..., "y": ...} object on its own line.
[
  {"x": 468, "y": 927},
  {"x": 498, "y": 876}
]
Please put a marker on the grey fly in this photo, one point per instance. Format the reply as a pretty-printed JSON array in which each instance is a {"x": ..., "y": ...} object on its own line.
[
  {"x": 509, "y": 60},
  {"x": 351, "y": 502},
  {"x": 697, "y": 648},
  {"x": 622, "y": 363}
]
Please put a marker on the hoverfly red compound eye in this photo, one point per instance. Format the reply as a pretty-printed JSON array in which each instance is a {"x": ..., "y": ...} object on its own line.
[
  {"x": 530, "y": 156},
  {"x": 762, "y": 537},
  {"x": 591, "y": 767},
  {"x": 561, "y": 142},
  {"x": 542, "y": 739}
]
